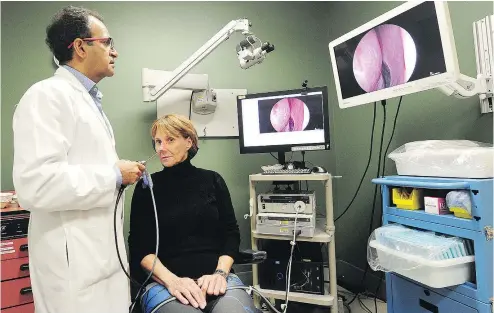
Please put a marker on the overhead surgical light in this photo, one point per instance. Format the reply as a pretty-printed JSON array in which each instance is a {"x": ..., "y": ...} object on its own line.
[{"x": 249, "y": 55}]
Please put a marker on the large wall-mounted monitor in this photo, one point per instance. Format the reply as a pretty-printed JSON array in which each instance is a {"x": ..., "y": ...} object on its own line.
[
  {"x": 283, "y": 121},
  {"x": 408, "y": 49}
]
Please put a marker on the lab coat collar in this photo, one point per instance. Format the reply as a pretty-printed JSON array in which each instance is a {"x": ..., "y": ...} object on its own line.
[
  {"x": 85, "y": 81},
  {"x": 66, "y": 74},
  {"x": 62, "y": 72}
]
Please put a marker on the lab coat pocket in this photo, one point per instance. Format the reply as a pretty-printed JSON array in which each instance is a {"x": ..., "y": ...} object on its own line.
[
  {"x": 67, "y": 253},
  {"x": 88, "y": 255}
]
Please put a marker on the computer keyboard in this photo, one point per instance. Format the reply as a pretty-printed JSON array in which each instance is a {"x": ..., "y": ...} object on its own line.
[{"x": 287, "y": 171}]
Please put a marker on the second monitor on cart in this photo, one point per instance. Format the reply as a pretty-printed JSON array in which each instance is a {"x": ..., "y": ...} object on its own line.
[{"x": 284, "y": 121}]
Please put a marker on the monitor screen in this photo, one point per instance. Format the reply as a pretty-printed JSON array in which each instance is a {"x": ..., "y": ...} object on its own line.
[
  {"x": 397, "y": 52},
  {"x": 283, "y": 121}
]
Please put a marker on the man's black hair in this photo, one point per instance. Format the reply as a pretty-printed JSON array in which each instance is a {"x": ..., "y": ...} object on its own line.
[{"x": 67, "y": 25}]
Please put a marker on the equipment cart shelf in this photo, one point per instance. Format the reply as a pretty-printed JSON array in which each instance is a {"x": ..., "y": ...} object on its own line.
[
  {"x": 406, "y": 295},
  {"x": 323, "y": 234}
]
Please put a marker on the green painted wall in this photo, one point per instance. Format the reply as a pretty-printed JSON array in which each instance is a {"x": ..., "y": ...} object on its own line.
[{"x": 160, "y": 35}]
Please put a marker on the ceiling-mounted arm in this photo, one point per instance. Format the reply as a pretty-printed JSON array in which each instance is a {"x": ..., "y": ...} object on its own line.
[
  {"x": 465, "y": 86},
  {"x": 240, "y": 25},
  {"x": 234, "y": 26}
]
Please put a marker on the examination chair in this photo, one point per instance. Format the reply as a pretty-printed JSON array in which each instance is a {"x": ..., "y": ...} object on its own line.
[
  {"x": 244, "y": 257},
  {"x": 250, "y": 257}
]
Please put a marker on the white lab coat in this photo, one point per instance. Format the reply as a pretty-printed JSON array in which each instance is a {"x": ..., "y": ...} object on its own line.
[{"x": 64, "y": 156}]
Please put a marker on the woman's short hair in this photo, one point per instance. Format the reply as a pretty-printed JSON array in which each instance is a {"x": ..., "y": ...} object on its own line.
[{"x": 177, "y": 125}]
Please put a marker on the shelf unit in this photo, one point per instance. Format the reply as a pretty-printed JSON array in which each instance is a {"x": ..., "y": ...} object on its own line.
[
  {"x": 323, "y": 234},
  {"x": 15, "y": 286},
  {"x": 406, "y": 295}
]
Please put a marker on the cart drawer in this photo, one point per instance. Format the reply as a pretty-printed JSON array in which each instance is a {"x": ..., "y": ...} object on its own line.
[
  {"x": 14, "y": 248},
  {"x": 26, "y": 308},
  {"x": 16, "y": 292},
  {"x": 14, "y": 268},
  {"x": 411, "y": 298}
]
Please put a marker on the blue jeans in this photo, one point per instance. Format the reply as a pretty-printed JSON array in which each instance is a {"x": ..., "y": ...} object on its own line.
[{"x": 154, "y": 300}]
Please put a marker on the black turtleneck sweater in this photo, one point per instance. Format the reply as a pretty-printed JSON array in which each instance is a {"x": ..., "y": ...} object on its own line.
[{"x": 197, "y": 222}]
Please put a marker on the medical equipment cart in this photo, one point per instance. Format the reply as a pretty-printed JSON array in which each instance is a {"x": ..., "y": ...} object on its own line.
[
  {"x": 323, "y": 234},
  {"x": 406, "y": 295},
  {"x": 15, "y": 286}
]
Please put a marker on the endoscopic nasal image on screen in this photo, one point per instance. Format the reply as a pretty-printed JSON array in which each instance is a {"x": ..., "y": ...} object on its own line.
[
  {"x": 404, "y": 48},
  {"x": 290, "y": 114},
  {"x": 385, "y": 57}
]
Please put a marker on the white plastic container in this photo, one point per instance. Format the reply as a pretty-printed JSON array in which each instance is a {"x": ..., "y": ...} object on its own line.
[
  {"x": 435, "y": 274},
  {"x": 445, "y": 158}
]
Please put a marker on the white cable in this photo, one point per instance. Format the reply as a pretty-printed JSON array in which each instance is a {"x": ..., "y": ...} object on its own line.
[
  {"x": 150, "y": 185},
  {"x": 293, "y": 243}
]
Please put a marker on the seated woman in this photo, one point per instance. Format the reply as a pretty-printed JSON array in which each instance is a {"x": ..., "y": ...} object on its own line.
[{"x": 199, "y": 234}]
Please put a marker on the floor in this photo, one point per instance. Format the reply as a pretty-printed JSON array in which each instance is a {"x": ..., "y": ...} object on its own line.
[
  {"x": 363, "y": 303},
  {"x": 367, "y": 306}
]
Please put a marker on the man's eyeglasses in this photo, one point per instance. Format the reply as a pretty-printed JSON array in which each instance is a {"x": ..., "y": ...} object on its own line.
[{"x": 107, "y": 41}]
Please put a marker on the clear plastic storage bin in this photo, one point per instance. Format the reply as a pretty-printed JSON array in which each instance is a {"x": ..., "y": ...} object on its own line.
[
  {"x": 430, "y": 259},
  {"x": 445, "y": 158}
]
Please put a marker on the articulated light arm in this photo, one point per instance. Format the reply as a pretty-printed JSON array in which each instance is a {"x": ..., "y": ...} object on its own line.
[
  {"x": 241, "y": 25},
  {"x": 465, "y": 86}
]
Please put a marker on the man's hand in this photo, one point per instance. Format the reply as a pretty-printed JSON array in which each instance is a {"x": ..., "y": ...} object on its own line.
[
  {"x": 186, "y": 291},
  {"x": 212, "y": 284},
  {"x": 131, "y": 171}
]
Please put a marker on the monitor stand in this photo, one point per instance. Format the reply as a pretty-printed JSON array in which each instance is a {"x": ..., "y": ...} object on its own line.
[
  {"x": 282, "y": 161},
  {"x": 281, "y": 158},
  {"x": 290, "y": 185}
]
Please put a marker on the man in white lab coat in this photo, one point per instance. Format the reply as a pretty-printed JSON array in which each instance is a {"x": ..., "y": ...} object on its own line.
[{"x": 67, "y": 173}]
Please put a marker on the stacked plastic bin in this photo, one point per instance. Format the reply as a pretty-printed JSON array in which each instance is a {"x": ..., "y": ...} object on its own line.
[{"x": 459, "y": 284}]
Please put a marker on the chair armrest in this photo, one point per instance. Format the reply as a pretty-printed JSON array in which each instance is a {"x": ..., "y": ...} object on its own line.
[{"x": 250, "y": 257}]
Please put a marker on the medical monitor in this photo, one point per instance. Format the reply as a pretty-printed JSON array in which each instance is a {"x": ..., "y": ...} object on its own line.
[
  {"x": 283, "y": 121},
  {"x": 406, "y": 50}
]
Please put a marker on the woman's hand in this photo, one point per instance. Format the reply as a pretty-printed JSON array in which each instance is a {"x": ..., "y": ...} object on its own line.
[
  {"x": 186, "y": 291},
  {"x": 212, "y": 284}
]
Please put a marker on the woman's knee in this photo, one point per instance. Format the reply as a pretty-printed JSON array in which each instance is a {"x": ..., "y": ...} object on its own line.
[
  {"x": 177, "y": 307},
  {"x": 234, "y": 301},
  {"x": 157, "y": 299}
]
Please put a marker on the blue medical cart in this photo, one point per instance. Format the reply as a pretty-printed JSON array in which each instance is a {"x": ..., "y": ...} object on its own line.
[{"x": 405, "y": 295}]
